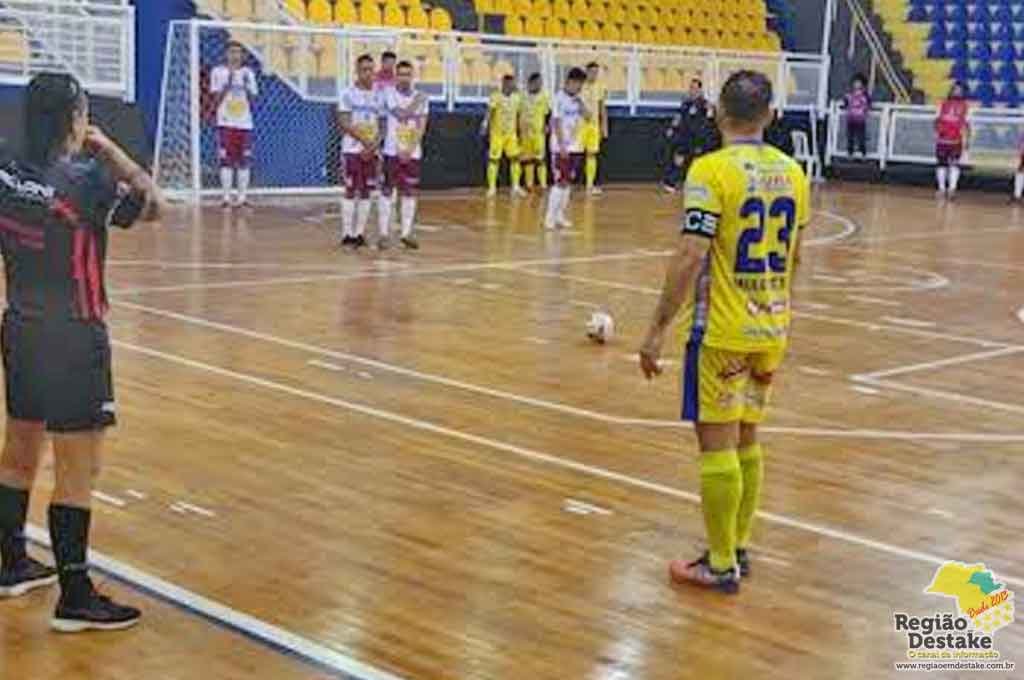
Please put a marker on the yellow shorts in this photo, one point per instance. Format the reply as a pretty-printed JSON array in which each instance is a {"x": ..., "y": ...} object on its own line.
[
  {"x": 720, "y": 386},
  {"x": 507, "y": 145},
  {"x": 533, "y": 147},
  {"x": 590, "y": 137}
]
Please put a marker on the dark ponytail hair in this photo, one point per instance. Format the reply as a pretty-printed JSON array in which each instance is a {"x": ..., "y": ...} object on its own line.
[{"x": 51, "y": 102}]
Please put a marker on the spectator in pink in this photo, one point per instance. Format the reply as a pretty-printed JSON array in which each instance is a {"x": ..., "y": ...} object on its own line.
[
  {"x": 385, "y": 78},
  {"x": 857, "y": 103}
]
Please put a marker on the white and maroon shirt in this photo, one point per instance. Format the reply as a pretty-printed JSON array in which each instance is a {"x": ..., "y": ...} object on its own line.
[
  {"x": 567, "y": 113},
  {"x": 366, "y": 109},
  {"x": 235, "y": 111},
  {"x": 403, "y": 130}
]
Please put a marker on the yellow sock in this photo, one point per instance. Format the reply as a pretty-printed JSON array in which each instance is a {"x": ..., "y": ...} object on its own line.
[
  {"x": 528, "y": 175},
  {"x": 752, "y": 465},
  {"x": 591, "y": 171},
  {"x": 492, "y": 175},
  {"x": 542, "y": 173},
  {"x": 515, "y": 171},
  {"x": 721, "y": 487}
]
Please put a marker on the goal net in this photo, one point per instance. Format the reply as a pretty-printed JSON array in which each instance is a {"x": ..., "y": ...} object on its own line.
[{"x": 300, "y": 72}]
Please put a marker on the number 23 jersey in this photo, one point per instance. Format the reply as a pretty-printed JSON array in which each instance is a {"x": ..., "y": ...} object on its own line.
[{"x": 751, "y": 200}]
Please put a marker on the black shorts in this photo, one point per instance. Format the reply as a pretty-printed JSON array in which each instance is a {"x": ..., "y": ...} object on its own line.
[{"x": 58, "y": 373}]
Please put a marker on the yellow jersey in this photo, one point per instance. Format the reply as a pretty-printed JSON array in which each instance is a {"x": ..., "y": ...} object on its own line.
[
  {"x": 592, "y": 94},
  {"x": 536, "y": 108},
  {"x": 751, "y": 200},
  {"x": 504, "y": 113}
]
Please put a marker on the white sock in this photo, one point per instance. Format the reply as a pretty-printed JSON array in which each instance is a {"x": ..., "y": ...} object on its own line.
[
  {"x": 348, "y": 212},
  {"x": 940, "y": 176},
  {"x": 227, "y": 178},
  {"x": 408, "y": 215},
  {"x": 384, "y": 215},
  {"x": 554, "y": 201},
  {"x": 244, "y": 175},
  {"x": 954, "y": 177},
  {"x": 363, "y": 215},
  {"x": 1018, "y": 185}
]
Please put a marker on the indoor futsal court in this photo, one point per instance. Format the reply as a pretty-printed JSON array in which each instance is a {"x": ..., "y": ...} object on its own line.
[{"x": 399, "y": 465}]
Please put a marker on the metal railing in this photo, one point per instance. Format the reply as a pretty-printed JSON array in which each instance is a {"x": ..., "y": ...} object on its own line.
[
  {"x": 95, "y": 41},
  {"x": 861, "y": 25},
  {"x": 905, "y": 133}
]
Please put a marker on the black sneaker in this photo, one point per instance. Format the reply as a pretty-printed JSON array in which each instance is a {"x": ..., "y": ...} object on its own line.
[
  {"x": 92, "y": 611},
  {"x": 359, "y": 242},
  {"x": 347, "y": 243},
  {"x": 25, "y": 575},
  {"x": 743, "y": 560},
  {"x": 410, "y": 243}
]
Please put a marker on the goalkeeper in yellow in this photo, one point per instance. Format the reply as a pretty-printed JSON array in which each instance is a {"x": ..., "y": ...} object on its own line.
[
  {"x": 533, "y": 133},
  {"x": 595, "y": 131},
  {"x": 502, "y": 121},
  {"x": 733, "y": 268}
]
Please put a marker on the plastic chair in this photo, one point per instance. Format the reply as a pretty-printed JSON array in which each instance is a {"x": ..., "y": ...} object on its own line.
[{"x": 802, "y": 153}]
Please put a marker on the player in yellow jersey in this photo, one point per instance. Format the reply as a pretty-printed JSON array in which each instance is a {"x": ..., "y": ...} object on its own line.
[
  {"x": 745, "y": 207},
  {"x": 533, "y": 132},
  {"x": 502, "y": 121},
  {"x": 595, "y": 130}
]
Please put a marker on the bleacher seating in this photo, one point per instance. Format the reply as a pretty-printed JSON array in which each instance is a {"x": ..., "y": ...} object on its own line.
[
  {"x": 978, "y": 42},
  {"x": 721, "y": 24}
]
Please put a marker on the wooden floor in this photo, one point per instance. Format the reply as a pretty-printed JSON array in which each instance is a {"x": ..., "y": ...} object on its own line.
[{"x": 416, "y": 466}]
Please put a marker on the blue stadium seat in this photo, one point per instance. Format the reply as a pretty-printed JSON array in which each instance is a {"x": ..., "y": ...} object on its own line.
[
  {"x": 1005, "y": 52},
  {"x": 918, "y": 13},
  {"x": 982, "y": 72},
  {"x": 938, "y": 30},
  {"x": 1008, "y": 72},
  {"x": 1003, "y": 32},
  {"x": 1010, "y": 96},
  {"x": 981, "y": 50},
  {"x": 1004, "y": 14},
  {"x": 959, "y": 50},
  {"x": 958, "y": 31},
  {"x": 960, "y": 70},
  {"x": 981, "y": 31},
  {"x": 985, "y": 93},
  {"x": 937, "y": 49}
]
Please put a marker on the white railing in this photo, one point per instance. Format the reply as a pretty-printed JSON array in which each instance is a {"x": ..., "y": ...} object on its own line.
[
  {"x": 860, "y": 24},
  {"x": 638, "y": 76},
  {"x": 93, "y": 40},
  {"x": 904, "y": 133}
]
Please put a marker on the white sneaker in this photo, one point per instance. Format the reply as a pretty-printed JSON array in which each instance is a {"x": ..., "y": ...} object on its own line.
[
  {"x": 491, "y": 193},
  {"x": 596, "y": 191},
  {"x": 519, "y": 192},
  {"x": 564, "y": 223}
]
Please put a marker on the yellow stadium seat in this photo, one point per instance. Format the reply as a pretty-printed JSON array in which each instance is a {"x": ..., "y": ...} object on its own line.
[
  {"x": 432, "y": 71},
  {"x": 541, "y": 8},
  {"x": 579, "y": 9},
  {"x": 591, "y": 31},
  {"x": 296, "y": 8},
  {"x": 644, "y": 35},
  {"x": 633, "y": 15},
  {"x": 610, "y": 32},
  {"x": 598, "y": 11},
  {"x": 628, "y": 33},
  {"x": 647, "y": 17},
  {"x": 561, "y": 10},
  {"x": 523, "y": 7},
  {"x": 514, "y": 26},
  {"x": 417, "y": 18},
  {"x": 345, "y": 13},
  {"x": 573, "y": 31},
  {"x": 617, "y": 14},
  {"x": 553, "y": 28},
  {"x": 651, "y": 79},
  {"x": 504, "y": 7},
  {"x": 394, "y": 16},
  {"x": 325, "y": 57},
  {"x": 440, "y": 20},
  {"x": 14, "y": 49},
  {"x": 320, "y": 12},
  {"x": 370, "y": 14},
  {"x": 534, "y": 26},
  {"x": 243, "y": 10},
  {"x": 483, "y": 6},
  {"x": 681, "y": 35}
]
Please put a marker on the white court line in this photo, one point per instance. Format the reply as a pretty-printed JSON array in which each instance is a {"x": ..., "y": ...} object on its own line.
[
  {"x": 556, "y": 406},
  {"x": 137, "y": 495},
  {"x": 865, "y": 390},
  {"x": 537, "y": 341},
  {"x": 828, "y": 278},
  {"x": 196, "y": 509},
  {"x": 325, "y": 365},
  {"x": 110, "y": 500},
  {"x": 280, "y": 638},
  {"x": 933, "y": 235},
  {"x": 944, "y": 395},
  {"x": 816, "y": 306},
  {"x": 540, "y": 457},
  {"x": 940, "y": 513},
  {"x": 912, "y": 323},
  {"x": 810, "y": 370},
  {"x": 873, "y": 301},
  {"x": 1020, "y": 314},
  {"x": 572, "y": 505},
  {"x": 581, "y": 303},
  {"x": 928, "y": 365}
]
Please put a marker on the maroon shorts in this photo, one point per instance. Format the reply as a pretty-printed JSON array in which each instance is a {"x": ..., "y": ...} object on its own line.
[
  {"x": 360, "y": 175},
  {"x": 235, "y": 147},
  {"x": 567, "y": 168},
  {"x": 401, "y": 174},
  {"x": 948, "y": 153}
]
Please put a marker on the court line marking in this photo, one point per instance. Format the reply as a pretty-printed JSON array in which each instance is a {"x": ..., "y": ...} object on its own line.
[
  {"x": 199, "y": 510},
  {"x": 557, "y": 406},
  {"x": 110, "y": 500},
  {"x": 1020, "y": 314},
  {"x": 941, "y": 363},
  {"x": 865, "y": 390},
  {"x": 810, "y": 370},
  {"x": 932, "y": 235},
  {"x": 873, "y": 301},
  {"x": 277, "y": 638},
  {"x": 913, "y": 323},
  {"x": 540, "y": 457},
  {"x": 849, "y": 227}
]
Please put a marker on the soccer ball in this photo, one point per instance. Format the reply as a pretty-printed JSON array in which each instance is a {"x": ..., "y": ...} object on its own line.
[{"x": 600, "y": 327}]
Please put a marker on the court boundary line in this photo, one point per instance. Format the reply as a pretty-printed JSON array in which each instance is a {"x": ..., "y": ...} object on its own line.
[
  {"x": 580, "y": 412},
  {"x": 273, "y": 637},
  {"x": 541, "y": 457}
]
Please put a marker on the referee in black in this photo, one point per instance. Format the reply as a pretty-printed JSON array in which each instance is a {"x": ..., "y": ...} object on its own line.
[
  {"x": 57, "y": 199},
  {"x": 691, "y": 134}
]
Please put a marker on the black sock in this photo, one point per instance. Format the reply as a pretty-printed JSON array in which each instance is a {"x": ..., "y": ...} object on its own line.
[
  {"x": 69, "y": 532},
  {"x": 13, "y": 510}
]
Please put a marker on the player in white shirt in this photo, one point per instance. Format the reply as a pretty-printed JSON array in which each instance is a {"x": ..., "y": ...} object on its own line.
[
  {"x": 234, "y": 86},
  {"x": 407, "y": 112},
  {"x": 568, "y": 115},
  {"x": 359, "y": 115}
]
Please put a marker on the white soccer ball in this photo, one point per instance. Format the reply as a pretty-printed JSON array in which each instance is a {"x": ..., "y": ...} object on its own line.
[{"x": 600, "y": 327}]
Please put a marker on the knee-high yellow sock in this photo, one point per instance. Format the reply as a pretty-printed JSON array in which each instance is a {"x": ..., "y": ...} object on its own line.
[
  {"x": 515, "y": 171},
  {"x": 492, "y": 175},
  {"x": 591, "y": 171},
  {"x": 752, "y": 466},
  {"x": 528, "y": 175},
  {"x": 721, "y": 487},
  {"x": 542, "y": 174}
]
